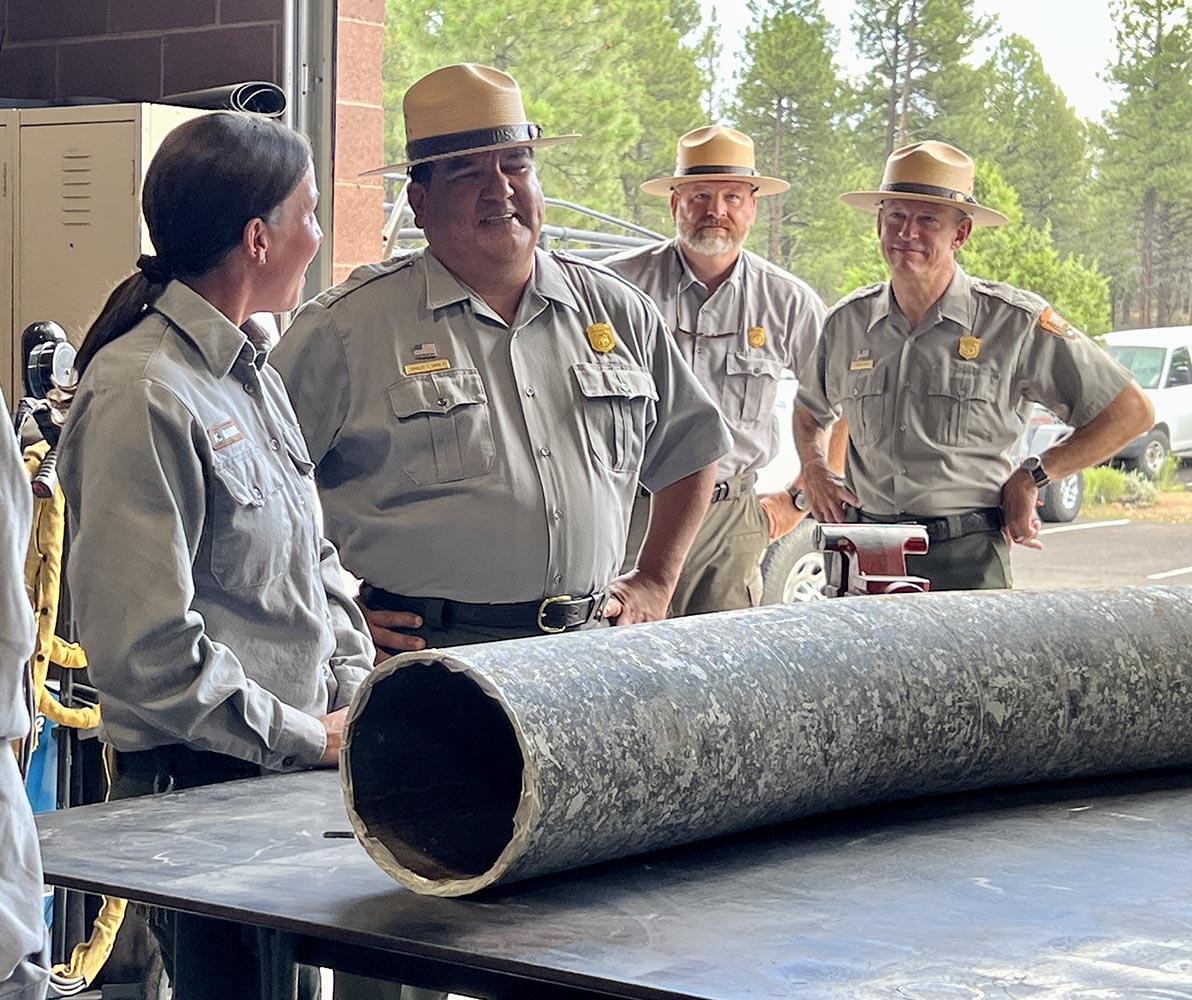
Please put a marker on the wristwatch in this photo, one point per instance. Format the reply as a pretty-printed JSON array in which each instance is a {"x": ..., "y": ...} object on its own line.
[{"x": 1034, "y": 465}]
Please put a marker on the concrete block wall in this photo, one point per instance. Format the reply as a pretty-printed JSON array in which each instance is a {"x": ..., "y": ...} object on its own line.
[{"x": 141, "y": 50}]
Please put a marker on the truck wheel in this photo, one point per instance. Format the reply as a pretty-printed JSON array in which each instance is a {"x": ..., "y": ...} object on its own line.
[
  {"x": 792, "y": 568},
  {"x": 1062, "y": 500},
  {"x": 1155, "y": 448}
]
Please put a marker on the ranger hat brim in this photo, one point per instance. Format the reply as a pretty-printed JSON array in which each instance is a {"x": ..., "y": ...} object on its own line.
[
  {"x": 715, "y": 153},
  {"x": 928, "y": 171},
  {"x": 464, "y": 109}
]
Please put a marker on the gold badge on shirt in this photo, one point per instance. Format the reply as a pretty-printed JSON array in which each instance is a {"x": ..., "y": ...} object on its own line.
[
  {"x": 969, "y": 346},
  {"x": 757, "y": 336},
  {"x": 862, "y": 362},
  {"x": 600, "y": 336}
]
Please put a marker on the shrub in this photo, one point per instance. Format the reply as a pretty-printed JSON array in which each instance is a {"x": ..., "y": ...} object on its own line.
[
  {"x": 1105, "y": 484},
  {"x": 1167, "y": 479}
]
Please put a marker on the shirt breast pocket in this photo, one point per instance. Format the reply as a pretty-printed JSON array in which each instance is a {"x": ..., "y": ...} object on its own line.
[
  {"x": 864, "y": 403},
  {"x": 750, "y": 387},
  {"x": 252, "y": 533},
  {"x": 961, "y": 404},
  {"x": 443, "y": 431},
  {"x": 614, "y": 412}
]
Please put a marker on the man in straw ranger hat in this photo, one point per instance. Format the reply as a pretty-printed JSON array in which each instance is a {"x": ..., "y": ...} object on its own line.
[
  {"x": 738, "y": 321},
  {"x": 480, "y": 411},
  {"x": 936, "y": 373}
]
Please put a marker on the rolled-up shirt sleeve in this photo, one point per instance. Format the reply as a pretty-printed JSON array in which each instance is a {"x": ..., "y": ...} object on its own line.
[
  {"x": 139, "y": 501},
  {"x": 813, "y": 381}
]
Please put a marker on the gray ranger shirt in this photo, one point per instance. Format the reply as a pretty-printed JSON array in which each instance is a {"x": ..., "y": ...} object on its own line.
[
  {"x": 737, "y": 340},
  {"x": 463, "y": 458},
  {"x": 22, "y": 920},
  {"x": 212, "y": 611},
  {"x": 933, "y": 413}
]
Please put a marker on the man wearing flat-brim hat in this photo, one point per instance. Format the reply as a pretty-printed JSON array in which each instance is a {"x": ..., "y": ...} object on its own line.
[
  {"x": 738, "y": 321},
  {"x": 481, "y": 411},
  {"x": 936, "y": 374}
]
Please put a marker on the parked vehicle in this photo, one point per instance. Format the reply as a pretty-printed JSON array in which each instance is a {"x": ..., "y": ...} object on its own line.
[
  {"x": 1161, "y": 361},
  {"x": 793, "y": 569}
]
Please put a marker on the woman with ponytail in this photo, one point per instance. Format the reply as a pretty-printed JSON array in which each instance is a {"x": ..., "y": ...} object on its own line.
[{"x": 217, "y": 629}]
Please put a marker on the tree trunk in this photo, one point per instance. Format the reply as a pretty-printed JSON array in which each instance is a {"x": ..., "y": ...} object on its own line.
[
  {"x": 905, "y": 99},
  {"x": 1146, "y": 270},
  {"x": 776, "y": 170}
]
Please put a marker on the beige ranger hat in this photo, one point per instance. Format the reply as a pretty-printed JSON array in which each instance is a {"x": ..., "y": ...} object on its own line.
[
  {"x": 461, "y": 109},
  {"x": 928, "y": 171},
  {"x": 715, "y": 153}
]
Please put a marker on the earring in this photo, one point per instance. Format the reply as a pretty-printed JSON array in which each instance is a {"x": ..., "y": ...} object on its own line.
[{"x": 261, "y": 259}]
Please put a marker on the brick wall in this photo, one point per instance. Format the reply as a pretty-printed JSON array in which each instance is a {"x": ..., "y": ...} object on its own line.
[
  {"x": 359, "y": 135},
  {"x": 140, "y": 50}
]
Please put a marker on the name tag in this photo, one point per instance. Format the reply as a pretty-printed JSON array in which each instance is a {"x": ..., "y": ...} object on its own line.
[
  {"x": 421, "y": 367},
  {"x": 860, "y": 364}
]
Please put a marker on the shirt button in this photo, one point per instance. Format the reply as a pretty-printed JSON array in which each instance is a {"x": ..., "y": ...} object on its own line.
[
  {"x": 622, "y": 386},
  {"x": 906, "y": 385},
  {"x": 529, "y": 390},
  {"x": 256, "y": 492},
  {"x": 544, "y": 451},
  {"x": 903, "y": 470},
  {"x": 856, "y": 391},
  {"x": 902, "y": 427},
  {"x": 557, "y": 514},
  {"x": 301, "y": 500},
  {"x": 701, "y": 350},
  {"x": 288, "y": 762},
  {"x": 249, "y": 388},
  {"x": 558, "y": 578},
  {"x": 757, "y": 371},
  {"x": 274, "y": 444},
  {"x": 442, "y": 401}
]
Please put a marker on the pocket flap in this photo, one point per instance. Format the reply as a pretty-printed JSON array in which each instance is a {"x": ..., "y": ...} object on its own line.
[
  {"x": 248, "y": 478},
  {"x": 744, "y": 363},
  {"x": 596, "y": 381},
  {"x": 436, "y": 392},
  {"x": 871, "y": 382},
  {"x": 963, "y": 383}
]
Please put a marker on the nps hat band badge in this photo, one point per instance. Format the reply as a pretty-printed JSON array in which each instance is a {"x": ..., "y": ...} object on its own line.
[
  {"x": 600, "y": 336},
  {"x": 969, "y": 347},
  {"x": 757, "y": 336}
]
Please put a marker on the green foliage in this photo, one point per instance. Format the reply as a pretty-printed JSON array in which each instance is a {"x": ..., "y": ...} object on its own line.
[
  {"x": 621, "y": 72},
  {"x": 791, "y": 101},
  {"x": 916, "y": 50},
  {"x": 1106, "y": 484},
  {"x": 1143, "y": 191},
  {"x": 1025, "y": 256},
  {"x": 1167, "y": 480}
]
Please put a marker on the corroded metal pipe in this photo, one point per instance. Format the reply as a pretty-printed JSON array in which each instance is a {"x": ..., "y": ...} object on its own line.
[{"x": 468, "y": 766}]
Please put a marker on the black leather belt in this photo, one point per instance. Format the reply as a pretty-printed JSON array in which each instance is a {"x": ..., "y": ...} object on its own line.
[
  {"x": 552, "y": 614},
  {"x": 944, "y": 529}
]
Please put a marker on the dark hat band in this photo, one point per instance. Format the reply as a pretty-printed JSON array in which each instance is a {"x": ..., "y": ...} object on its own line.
[
  {"x": 907, "y": 187},
  {"x": 459, "y": 142},
  {"x": 743, "y": 171}
]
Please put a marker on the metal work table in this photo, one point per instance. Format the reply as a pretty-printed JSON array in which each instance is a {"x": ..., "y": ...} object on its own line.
[{"x": 1069, "y": 890}]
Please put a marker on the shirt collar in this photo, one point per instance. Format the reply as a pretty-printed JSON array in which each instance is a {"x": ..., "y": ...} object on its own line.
[
  {"x": 686, "y": 279},
  {"x": 220, "y": 342},
  {"x": 956, "y": 304},
  {"x": 547, "y": 281}
]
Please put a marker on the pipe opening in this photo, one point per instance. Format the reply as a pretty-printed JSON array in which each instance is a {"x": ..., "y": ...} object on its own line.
[{"x": 436, "y": 772}]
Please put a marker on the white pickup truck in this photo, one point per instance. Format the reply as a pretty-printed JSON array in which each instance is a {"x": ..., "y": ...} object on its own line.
[{"x": 1161, "y": 361}]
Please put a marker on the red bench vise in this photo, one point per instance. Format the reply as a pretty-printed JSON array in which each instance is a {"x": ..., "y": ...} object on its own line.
[{"x": 870, "y": 558}]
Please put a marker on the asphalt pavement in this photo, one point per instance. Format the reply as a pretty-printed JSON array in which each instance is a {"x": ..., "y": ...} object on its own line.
[{"x": 1114, "y": 553}]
